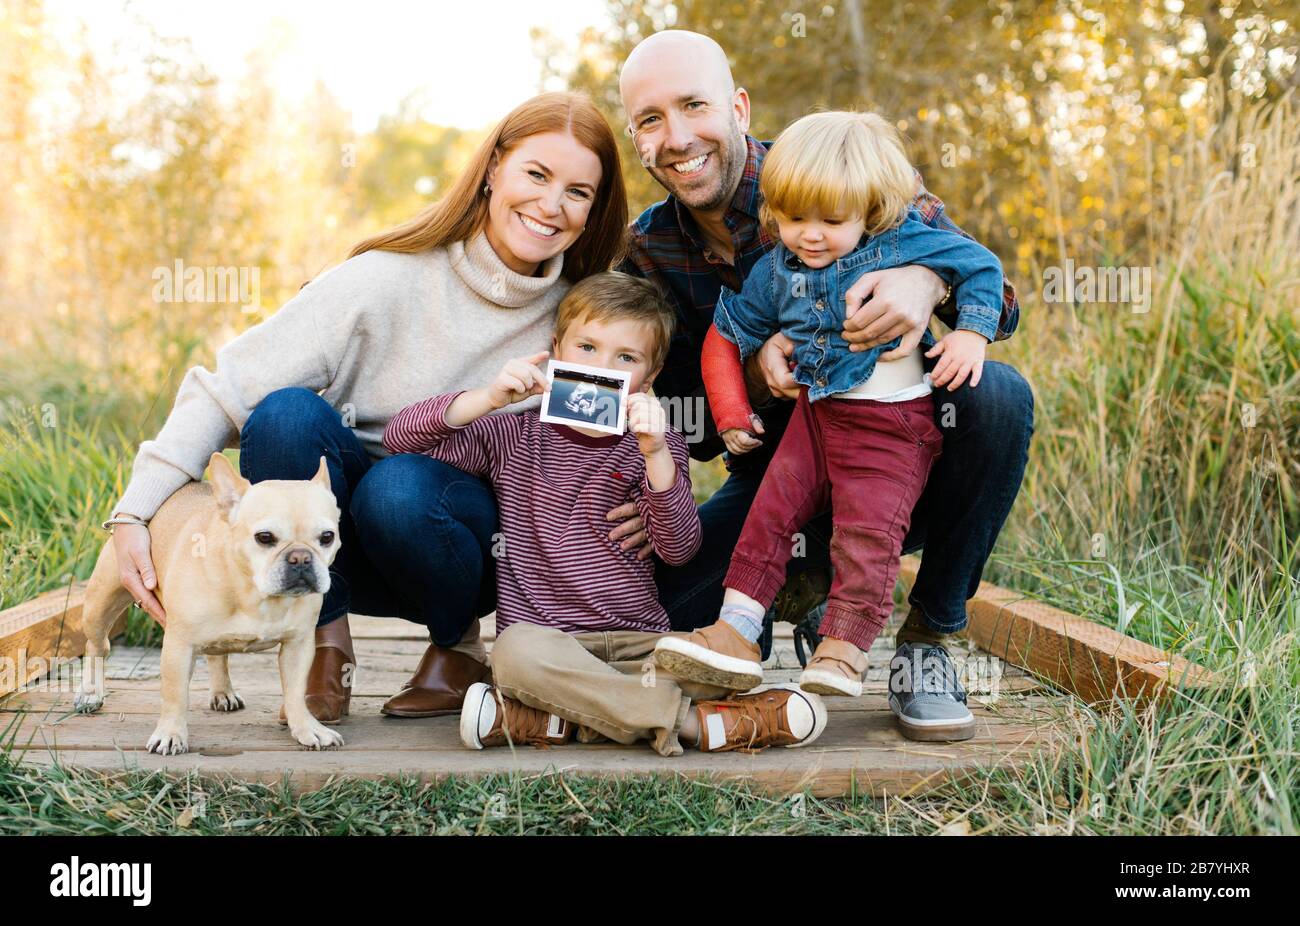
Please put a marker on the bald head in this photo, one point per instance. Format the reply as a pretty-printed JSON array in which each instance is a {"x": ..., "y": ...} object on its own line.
[
  {"x": 687, "y": 117},
  {"x": 681, "y": 52}
]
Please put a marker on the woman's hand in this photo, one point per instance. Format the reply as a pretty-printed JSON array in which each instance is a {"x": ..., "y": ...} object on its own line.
[
  {"x": 631, "y": 531},
  {"x": 135, "y": 568},
  {"x": 518, "y": 379},
  {"x": 740, "y": 440}
]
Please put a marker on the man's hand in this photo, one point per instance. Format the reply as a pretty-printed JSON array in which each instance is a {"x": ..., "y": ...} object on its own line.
[
  {"x": 961, "y": 353},
  {"x": 885, "y": 304},
  {"x": 773, "y": 364},
  {"x": 631, "y": 531}
]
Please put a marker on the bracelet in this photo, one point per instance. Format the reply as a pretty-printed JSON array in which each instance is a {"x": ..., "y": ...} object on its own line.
[
  {"x": 946, "y": 296},
  {"x": 123, "y": 519}
]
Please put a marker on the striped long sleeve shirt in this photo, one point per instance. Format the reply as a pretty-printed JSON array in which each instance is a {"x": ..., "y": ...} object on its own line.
[{"x": 556, "y": 565}]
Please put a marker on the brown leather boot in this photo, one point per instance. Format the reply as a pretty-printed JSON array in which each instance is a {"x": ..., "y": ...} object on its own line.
[
  {"x": 329, "y": 686},
  {"x": 438, "y": 686}
]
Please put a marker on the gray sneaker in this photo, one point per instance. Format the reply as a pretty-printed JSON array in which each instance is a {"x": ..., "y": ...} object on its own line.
[{"x": 933, "y": 709}]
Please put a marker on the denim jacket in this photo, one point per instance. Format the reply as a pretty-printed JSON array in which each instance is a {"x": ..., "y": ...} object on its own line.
[{"x": 781, "y": 293}]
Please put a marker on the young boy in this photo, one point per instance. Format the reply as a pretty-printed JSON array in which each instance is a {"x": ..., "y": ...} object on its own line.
[
  {"x": 577, "y": 616},
  {"x": 837, "y": 189}
]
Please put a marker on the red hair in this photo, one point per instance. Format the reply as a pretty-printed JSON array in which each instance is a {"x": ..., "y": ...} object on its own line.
[{"x": 462, "y": 213}]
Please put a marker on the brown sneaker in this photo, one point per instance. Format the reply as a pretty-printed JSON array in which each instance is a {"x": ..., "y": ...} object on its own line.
[
  {"x": 487, "y": 716},
  {"x": 778, "y": 716},
  {"x": 713, "y": 655},
  {"x": 836, "y": 668}
]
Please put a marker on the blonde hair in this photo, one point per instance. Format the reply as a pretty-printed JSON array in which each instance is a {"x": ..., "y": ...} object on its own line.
[
  {"x": 462, "y": 213},
  {"x": 839, "y": 163},
  {"x": 617, "y": 295}
]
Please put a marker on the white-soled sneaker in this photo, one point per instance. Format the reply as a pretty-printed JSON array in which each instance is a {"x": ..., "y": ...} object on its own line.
[
  {"x": 927, "y": 696},
  {"x": 778, "y": 716},
  {"x": 489, "y": 718},
  {"x": 836, "y": 668},
  {"x": 713, "y": 655}
]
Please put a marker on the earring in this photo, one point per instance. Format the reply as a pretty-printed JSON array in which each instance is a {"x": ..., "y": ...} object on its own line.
[{"x": 487, "y": 190}]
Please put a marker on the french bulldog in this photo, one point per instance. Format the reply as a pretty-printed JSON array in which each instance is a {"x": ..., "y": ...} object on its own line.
[{"x": 241, "y": 568}]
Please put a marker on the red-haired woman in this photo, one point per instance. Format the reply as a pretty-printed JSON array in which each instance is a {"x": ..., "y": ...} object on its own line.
[{"x": 434, "y": 305}]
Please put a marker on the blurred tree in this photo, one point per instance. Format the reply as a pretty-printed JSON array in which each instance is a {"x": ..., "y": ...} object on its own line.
[
  {"x": 1038, "y": 123},
  {"x": 24, "y": 53},
  {"x": 409, "y": 163}
]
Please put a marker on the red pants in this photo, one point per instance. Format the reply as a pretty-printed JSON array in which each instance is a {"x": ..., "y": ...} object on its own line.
[{"x": 868, "y": 462}]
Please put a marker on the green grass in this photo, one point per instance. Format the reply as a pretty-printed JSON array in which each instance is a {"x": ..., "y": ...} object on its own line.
[
  {"x": 58, "y": 478},
  {"x": 62, "y": 802}
]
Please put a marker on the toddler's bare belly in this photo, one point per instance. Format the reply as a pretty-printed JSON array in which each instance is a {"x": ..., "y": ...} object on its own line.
[{"x": 890, "y": 377}]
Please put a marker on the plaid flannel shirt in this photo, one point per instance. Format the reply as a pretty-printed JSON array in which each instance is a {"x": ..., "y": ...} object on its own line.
[{"x": 666, "y": 246}]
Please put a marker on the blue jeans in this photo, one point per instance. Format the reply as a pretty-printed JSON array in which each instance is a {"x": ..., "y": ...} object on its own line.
[
  {"x": 986, "y": 433},
  {"x": 416, "y": 533}
]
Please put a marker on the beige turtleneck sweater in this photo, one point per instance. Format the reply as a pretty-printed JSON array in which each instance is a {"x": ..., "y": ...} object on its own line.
[{"x": 372, "y": 335}]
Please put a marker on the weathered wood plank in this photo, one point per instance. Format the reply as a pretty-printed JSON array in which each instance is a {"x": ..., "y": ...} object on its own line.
[
  {"x": 383, "y": 673},
  {"x": 36, "y": 633},
  {"x": 872, "y": 727},
  {"x": 138, "y": 699},
  {"x": 829, "y": 773},
  {"x": 1095, "y": 663},
  {"x": 861, "y": 749}
]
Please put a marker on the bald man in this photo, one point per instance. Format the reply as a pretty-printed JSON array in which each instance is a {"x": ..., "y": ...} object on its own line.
[{"x": 690, "y": 125}]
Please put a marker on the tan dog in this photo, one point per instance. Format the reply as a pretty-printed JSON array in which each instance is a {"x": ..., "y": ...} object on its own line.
[{"x": 241, "y": 568}]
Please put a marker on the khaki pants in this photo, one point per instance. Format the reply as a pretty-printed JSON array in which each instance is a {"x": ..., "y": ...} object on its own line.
[{"x": 606, "y": 683}]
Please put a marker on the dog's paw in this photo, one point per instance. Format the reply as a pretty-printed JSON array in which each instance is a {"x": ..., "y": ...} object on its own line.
[
  {"x": 318, "y": 736},
  {"x": 226, "y": 701},
  {"x": 87, "y": 702},
  {"x": 168, "y": 740}
]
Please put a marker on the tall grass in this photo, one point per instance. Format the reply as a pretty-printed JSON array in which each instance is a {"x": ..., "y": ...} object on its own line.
[
  {"x": 1164, "y": 460},
  {"x": 58, "y": 477},
  {"x": 1161, "y": 494}
]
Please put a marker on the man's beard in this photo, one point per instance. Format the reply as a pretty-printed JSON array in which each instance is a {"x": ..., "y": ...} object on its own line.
[{"x": 731, "y": 164}]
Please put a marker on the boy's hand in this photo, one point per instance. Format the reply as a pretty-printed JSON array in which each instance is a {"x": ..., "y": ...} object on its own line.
[
  {"x": 646, "y": 419},
  {"x": 961, "y": 354},
  {"x": 518, "y": 379},
  {"x": 739, "y": 440}
]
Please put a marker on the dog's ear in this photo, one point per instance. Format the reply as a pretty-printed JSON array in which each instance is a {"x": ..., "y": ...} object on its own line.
[
  {"x": 322, "y": 476},
  {"x": 228, "y": 486}
]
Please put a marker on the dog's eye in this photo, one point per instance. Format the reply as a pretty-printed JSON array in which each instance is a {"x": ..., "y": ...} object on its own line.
[
  {"x": 265, "y": 538},
  {"x": 326, "y": 538}
]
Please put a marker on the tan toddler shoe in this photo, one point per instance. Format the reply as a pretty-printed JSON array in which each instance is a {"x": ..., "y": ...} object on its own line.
[
  {"x": 714, "y": 655},
  {"x": 836, "y": 668}
]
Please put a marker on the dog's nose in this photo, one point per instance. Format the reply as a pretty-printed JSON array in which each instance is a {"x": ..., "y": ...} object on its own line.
[{"x": 299, "y": 556}]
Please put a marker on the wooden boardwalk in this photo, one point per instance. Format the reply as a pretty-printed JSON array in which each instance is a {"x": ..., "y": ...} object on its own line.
[{"x": 861, "y": 751}]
